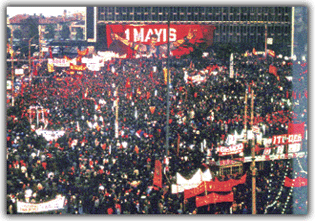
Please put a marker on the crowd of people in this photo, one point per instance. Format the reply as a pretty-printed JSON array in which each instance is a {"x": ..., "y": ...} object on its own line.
[{"x": 115, "y": 124}]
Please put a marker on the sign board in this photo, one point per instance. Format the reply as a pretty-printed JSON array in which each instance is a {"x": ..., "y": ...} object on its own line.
[
  {"x": 9, "y": 85},
  {"x": 19, "y": 71}
]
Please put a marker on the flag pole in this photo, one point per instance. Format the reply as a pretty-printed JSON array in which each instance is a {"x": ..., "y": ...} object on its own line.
[
  {"x": 253, "y": 166},
  {"x": 168, "y": 86},
  {"x": 266, "y": 41},
  {"x": 12, "y": 67},
  {"x": 245, "y": 120}
]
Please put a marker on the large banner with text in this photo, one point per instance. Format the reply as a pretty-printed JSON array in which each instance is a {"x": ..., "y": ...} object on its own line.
[{"x": 141, "y": 33}]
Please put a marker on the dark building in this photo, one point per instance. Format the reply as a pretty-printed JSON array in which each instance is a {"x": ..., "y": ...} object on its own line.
[{"x": 243, "y": 27}]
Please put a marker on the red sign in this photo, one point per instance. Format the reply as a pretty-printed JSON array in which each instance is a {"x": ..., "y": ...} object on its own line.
[
  {"x": 213, "y": 198},
  {"x": 233, "y": 149},
  {"x": 157, "y": 179},
  {"x": 142, "y": 33}
]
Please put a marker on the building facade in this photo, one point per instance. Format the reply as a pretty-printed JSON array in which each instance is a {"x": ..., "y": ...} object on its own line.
[{"x": 245, "y": 27}]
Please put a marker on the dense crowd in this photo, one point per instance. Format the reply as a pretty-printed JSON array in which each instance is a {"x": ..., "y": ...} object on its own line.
[{"x": 105, "y": 161}]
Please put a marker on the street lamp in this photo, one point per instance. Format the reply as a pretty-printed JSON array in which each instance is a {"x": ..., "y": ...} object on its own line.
[{"x": 29, "y": 52}]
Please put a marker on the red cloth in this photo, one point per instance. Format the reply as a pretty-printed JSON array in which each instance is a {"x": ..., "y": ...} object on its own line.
[
  {"x": 157, "y": 179},
  {"x": 296, "y": 129},
  {"x": 298, "y": 182},
  {"x": 213, "y": 198}
]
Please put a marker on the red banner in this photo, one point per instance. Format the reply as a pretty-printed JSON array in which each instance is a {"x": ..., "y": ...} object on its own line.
[
  {"x": 214, "y": 186},
  {"x": 195, "y": 191},
  {"x": 213, "y": 198},
  {"x": 298, "y": 182},
  {"x": 142, "y": 33},
  {"x": 157, "y": 179},
  {"x": 296, "y": 129}
]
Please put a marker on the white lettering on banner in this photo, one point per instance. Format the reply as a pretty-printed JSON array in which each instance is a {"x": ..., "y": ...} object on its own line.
[
  {"x": 280, "y": 149},
  {"x": 295, "y": 147},
  {"x": 61, "y": 62},
  {"x": 50, "y": 135},
  {"x": 55, "y": 204},
  {"x": 286, "y": 138},
  {"x": 294, "y": 138},
  {"x": 233, "y": 149},
  {"x": 267, "y": 151},
  {"x": 231, "y": 139},
  {"x": 144, "y": 34}
]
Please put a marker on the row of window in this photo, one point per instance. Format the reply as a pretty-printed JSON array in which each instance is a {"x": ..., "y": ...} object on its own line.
[
  {"x": 277, "y": 14},
  {"x": 251, "y": 33}
]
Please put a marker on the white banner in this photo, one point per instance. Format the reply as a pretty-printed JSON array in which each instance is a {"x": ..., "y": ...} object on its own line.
[
  {"x": 184, "y": 184},
  {"x": 280, "y": 149},
  {"x": 50, "y": 135},
  {"x": 295, "y": 147},
  {"x": 19, "y": 71},
  {"x": 9, "y": 84},
  {"x": 233, "y": 149},
  {"x": 231, "y": 66},
  {"x": 93, "y": 67},
  {"x": 61, "y": 62},
  {"x": 55, "y": 204}
]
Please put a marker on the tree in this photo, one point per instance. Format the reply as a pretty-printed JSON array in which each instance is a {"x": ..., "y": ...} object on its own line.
[
  {"x": 17, "y": 34},
  {"x": 50, "y": 32},
  {"x": 29, "y": 28},
  {"x": 65, "y": 32},
  {"x": 79, "y": 35},
  {"x": 8, "y": 33}
]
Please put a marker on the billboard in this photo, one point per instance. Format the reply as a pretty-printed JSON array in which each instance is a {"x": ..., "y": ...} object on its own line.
[{"x": 141, "y": 34}]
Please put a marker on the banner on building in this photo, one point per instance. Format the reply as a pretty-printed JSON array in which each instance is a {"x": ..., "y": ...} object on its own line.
[
  {"x": 141, "y": 33},
  {"x": 55, "y": 204}
]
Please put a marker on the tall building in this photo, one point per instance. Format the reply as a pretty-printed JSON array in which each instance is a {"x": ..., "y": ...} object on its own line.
[{"x": 244, "y": 27}]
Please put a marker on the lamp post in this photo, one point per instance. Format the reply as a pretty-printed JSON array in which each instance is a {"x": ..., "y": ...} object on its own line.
[
  {"x": 12, "y": 67},
  {"x": 29, "y": 52}
]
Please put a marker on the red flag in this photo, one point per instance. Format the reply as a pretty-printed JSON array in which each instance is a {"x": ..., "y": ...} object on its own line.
[
  {"x": 273, "y": 70},
  {"x": 152, "y": 109},
  {"x": 254, "y": 51},
  {"x": 157, "y": 179},
  {"x": 128, "y": 83},
  {"x": 296, "y": 129},
  {"x": 271, "y": 53},
  {"x": 50, "y": 52},
  {"x": 137, "y": 149},
  {"x": 298, "y": 182}
]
